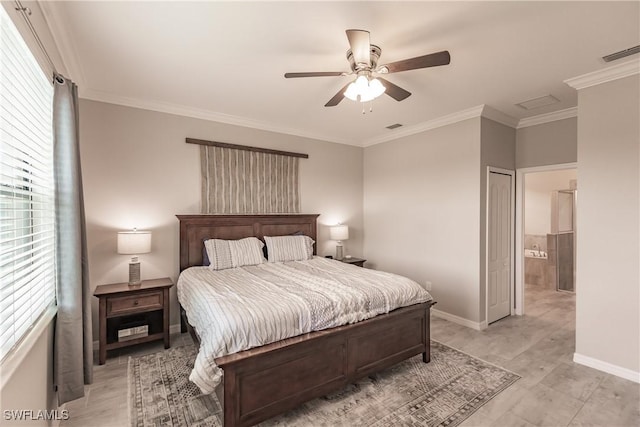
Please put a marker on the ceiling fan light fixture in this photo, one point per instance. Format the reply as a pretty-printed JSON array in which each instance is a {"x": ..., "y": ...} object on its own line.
[{"x": 364, "y": 89}]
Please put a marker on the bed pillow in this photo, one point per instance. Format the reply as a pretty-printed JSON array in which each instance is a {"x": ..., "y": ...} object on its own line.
[
  {"x": 223, "y": 254},
  {"x": 266, "y": 249},
  {"x": 289, "y": 248}
]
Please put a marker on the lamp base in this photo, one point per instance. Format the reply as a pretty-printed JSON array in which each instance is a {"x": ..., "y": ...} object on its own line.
[
  {"x": 339, "y": 256},
  {"x": 134, "y": 274}
]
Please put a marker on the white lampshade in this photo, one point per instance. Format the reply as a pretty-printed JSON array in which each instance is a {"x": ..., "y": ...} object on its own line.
[
  {"x": 134, "y": 242},
  {"x": 339, "y": 232}
]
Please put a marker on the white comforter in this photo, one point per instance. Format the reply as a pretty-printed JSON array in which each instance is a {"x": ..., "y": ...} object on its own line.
[{"x": 241, "y": 308}]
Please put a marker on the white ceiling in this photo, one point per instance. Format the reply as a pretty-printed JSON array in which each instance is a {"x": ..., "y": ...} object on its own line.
[{"x": 225, "y": 60}]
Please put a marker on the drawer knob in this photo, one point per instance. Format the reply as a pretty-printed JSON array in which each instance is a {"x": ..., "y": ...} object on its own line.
[{"x": 135, "y": 302}]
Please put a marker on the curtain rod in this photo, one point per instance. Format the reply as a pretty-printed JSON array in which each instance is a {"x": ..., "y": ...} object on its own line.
[
  {"x": 245, "y": 148},
  {"x": 26, "y": 12}
]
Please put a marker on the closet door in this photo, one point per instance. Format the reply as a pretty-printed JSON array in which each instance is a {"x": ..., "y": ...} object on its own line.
[{"x": 499, "y": 246}]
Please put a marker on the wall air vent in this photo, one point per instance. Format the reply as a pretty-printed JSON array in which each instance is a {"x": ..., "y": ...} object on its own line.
[
  {"x": 543, "y": 101},
  {"x": 394, "y": 126},
  {"x": 622, "y": 54}
]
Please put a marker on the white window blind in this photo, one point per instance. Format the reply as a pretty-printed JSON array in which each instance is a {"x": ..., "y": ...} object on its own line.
[{"x": 27, "y": 248}]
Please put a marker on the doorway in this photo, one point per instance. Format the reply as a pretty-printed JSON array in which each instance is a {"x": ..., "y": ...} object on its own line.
[{"x": 545, "y": 233}]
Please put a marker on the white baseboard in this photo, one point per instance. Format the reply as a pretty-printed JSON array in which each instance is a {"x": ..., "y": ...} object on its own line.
[
  {"x": 173, "y": 329},
  {"x": 607, "y": 367},
  {"x": 478, "y": 326}
]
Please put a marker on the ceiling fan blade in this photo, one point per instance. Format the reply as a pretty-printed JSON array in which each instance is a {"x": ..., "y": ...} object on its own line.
[
  {"x": 425, "y": 61},
  {"x": 337, "y": 97},
  {"x": 360, "y": 46},
  {"x": 394, "y": 91},
  {"x": 314, "y": 74}
]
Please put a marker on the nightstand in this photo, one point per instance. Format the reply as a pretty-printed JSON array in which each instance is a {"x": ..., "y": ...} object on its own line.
[
  {"x": 355, "y": 261},
  {"x": 130, "y": 315}
]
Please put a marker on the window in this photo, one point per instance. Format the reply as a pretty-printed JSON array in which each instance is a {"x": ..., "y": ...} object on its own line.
[{"x": 27, "y": 245}]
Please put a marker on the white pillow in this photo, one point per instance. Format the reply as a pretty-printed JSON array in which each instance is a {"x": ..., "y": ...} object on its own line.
[
  {"x": 289, "y": 248},
  {"x": 225, "y": 254}
]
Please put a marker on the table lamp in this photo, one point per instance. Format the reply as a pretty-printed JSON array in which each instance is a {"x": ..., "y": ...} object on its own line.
[
  {"x": 339, "y": 233},
  {"x": 134, "y": 243}
]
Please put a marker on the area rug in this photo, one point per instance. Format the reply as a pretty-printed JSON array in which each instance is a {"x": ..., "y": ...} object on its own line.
[{"x": 443, "y": 392}]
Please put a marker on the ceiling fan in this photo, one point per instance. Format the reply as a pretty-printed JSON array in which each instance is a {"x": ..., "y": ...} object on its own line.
[{"x": 363, "y": 59}]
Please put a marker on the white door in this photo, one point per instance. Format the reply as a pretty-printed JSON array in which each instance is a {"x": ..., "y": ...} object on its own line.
[{"x": 499, "y": 247}]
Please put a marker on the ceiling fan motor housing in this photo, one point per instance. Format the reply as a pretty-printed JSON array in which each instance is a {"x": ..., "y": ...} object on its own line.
[{"x": 375, "y": 53}]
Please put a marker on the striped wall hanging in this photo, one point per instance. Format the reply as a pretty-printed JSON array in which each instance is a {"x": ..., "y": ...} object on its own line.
[{"x": 238, "y": 179}]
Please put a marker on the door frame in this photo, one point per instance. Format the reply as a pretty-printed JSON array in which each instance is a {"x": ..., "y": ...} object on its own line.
[
  {"x": 512, "y": 175},
  {"x": 519, "y": 252}
]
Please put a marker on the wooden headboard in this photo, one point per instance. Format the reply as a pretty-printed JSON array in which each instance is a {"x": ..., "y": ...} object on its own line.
[{"x": 195, "y": 229}]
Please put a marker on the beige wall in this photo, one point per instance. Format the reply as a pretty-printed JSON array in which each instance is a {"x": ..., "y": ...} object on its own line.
[
  {"x": 498, "y": 149},
  {"x": 608, "y": 280},
  {"x": 549, "y": 143},
  {"x": 30, "y": 387},
  {"x": 139, "y": 172},
  {"x": 421, "y": 203}
]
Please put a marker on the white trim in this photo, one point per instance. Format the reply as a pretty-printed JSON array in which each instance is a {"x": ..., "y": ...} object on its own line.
[
  {"x": 200, "y": 113},
  {"x": 607, "y": 367},
  {"x": 16, "y": 356},
  {"x": 511, "y": 174},
  {"x": 567, "y": 113},
  {"x": 498, "y": 116},
  {"x": 519, "y": 240},
  {"x": 478, "y": 326},
  {"x": 605, "y": 75},
  {"x": 448, "y": 119},
  {"x": 64, "y": 42},
  {"x": 173, "y": 329}
]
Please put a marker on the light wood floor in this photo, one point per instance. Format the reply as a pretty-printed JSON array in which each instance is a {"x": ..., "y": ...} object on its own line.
[{"x": 539, "y": 347}]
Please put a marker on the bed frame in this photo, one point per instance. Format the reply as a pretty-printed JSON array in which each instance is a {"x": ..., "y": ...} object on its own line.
[{"x": 266, "y": 381}]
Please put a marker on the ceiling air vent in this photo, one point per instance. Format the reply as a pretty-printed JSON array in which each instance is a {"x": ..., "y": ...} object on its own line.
[
  {"x": 622, "y": 54},
  {"x": 394, "y": 126},
  {"x": 543, "y": 101}
]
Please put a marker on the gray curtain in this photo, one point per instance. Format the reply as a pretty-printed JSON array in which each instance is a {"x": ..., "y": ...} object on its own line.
[
  {"x": 248, "y": 182},
  {"x": 73, "y": 358}
]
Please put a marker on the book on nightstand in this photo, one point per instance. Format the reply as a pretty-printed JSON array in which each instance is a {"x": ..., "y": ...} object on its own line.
[{"x": 129, "y": 334}]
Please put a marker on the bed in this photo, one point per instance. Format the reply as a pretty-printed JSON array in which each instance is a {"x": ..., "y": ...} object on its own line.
[{"x": 262, "y": 382}]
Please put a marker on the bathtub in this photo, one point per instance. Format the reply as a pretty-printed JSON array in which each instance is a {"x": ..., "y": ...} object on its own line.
[{"x": 534, "y": 253}]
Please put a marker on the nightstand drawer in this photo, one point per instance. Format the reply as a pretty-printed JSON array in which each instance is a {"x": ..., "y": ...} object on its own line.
[{"x": 134, "y": 303}]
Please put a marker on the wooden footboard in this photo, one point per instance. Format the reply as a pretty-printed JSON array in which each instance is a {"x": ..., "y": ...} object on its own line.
[{"x": 269, "y": 380}]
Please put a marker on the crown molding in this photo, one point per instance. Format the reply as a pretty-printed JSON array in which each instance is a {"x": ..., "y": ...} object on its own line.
[
  {"x": 548, "y": 117},
  {"x": 498, "y": 116},
  {"x": 608, "y": 74},
  {"x": 64, "y": 41},
  {"x": 478, "y": 111},
  {"x": 428, "y": 125},
  {"x": 199, "y": 113}
]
